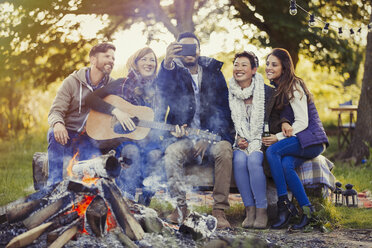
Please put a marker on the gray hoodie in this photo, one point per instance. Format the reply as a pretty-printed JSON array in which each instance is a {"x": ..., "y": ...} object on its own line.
[{"x": 69, "y": 106}]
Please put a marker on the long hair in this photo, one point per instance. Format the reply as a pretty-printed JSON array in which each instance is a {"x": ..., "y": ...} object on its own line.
[
  {"x": 132, "y": 61},
  {"x": 287, "y": 82}
]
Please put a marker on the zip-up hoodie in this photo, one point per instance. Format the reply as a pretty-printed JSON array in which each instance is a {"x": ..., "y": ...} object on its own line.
[{"x": 69, "y": 106}]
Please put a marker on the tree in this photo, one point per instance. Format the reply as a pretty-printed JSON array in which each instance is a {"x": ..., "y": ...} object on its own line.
[
  {"x": 280, "y": 29},
  {"x": 362, "y": 139},
  {"x": 40, "y": 44}
]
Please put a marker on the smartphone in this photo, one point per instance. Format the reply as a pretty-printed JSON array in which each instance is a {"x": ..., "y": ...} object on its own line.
[{"x": 187, "y": 50}]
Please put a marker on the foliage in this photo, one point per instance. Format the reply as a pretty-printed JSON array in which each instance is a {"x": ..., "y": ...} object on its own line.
[
  {"x": 292, "y": 33},
  {"x": 327, "y": 88},
  {"x": 42, "y": 41},
  {"x": 327, "y": 216}
]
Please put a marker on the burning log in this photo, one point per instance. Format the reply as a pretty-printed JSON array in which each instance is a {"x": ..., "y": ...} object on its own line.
[
  {"x": 121, "y": 210},
  {"x": 35, "y": 196},
  {"x": 28, "y": 237},
  {"x": 79, "y": 187},
  {"x": 21, "y": 211},
  {"x": 64, "y": 219},
  {"x": 60, "y": 223},
  {"x": 96, "y": 215},
  {"x": 105, "y": 166},
  {"x": 43, "y": 214},
  {"x": 65, "y": 237}
]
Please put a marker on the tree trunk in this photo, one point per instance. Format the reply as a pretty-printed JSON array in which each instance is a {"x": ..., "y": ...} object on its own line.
[
  {"x": 184, "y": 11},
  {"x": 362, "y": 138}
]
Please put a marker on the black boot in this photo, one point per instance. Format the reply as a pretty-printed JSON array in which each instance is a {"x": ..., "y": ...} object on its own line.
[
  {"x": 286, "y": 210},
  {"x": 306, "y": 217}
]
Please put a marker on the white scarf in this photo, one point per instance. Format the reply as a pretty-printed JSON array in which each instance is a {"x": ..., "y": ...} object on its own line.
[{"x": 237, "y": 95}]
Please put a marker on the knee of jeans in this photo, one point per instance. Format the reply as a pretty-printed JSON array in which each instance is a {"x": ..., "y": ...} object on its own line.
[
  {"x": 130, "y": 151},
  {"x": 239, "y": 158},
  {"x": 255, "y": 158},
  {"x": 287, "y": 164}
]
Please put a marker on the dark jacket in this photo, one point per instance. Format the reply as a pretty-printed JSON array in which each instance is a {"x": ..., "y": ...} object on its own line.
[
  {"x": 314, "y": 133},
  {"x": 272, "y": 115},
  {"x": 174, "y": 88}
]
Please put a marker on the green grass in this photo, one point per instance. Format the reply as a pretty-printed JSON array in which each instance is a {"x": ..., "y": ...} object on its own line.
[
  {"x": 16, "y": 165},
  {"x": 347, "y": 172}
]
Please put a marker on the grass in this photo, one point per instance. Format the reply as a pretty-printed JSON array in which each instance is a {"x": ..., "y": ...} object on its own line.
[
  {"x": 347, "y": 172},
  {"x": 16, "y": 165},
  {"x": 16, "y": 181}
]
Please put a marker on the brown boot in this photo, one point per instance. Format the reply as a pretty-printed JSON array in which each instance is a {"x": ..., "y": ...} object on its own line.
[
  {"x": 222, "y": 222},
  {"x": 178, "y": 215},
  {"x": 250, "y": 216},
  {"x": 261, "y": 218}
]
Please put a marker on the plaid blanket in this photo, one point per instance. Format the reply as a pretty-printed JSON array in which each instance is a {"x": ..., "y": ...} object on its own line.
[{"x": 317, "y": 172}]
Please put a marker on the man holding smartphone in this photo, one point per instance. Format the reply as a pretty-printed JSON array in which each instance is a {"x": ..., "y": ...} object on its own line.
[{"x": 195, "y": 90}]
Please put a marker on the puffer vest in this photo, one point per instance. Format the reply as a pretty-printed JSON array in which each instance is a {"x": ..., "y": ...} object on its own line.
[{"x": 314, "y": 133}]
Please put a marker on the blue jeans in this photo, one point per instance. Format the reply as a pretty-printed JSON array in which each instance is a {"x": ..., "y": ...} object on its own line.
[
  {"x": 142, "y": 162},
  {"x": 283, "y": 157},
  {"x": 58, "y": 153},
  {"x": 250, "y": 178}
]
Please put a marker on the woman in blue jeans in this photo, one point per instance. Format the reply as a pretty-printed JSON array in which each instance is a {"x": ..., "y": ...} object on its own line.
[
  {"x": 247, "y": 105},
  {"x": 301, "y": 139}
]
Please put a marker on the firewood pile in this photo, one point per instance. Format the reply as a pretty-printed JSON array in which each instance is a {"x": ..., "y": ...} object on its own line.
[{"x": 88, "y": 206}]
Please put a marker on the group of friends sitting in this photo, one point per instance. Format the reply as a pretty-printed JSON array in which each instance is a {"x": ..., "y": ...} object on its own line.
[{"x": 190, "y": 92}]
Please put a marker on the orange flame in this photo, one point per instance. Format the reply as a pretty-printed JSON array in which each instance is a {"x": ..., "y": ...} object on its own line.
[
  {"x": 110, "y": 221},
  {"x": 71, "y": 164},
  {"x": 89, "y": 180},
  {"x": 82, "y": 206}
]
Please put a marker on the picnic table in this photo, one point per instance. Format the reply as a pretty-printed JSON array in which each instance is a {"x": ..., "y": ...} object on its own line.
[{"x": 345, "y": 129}]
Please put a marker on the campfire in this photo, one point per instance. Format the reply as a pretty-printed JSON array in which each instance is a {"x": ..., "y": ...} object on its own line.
[{"x": 87, "y": 204}]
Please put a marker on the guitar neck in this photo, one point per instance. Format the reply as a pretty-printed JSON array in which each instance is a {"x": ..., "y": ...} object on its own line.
[
  {"x": 172, "y": 128},
  {"x": 157, "y": 125}
]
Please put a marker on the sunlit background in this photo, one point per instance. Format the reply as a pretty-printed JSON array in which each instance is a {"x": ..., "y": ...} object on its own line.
[{"x": 331, "y": 66}]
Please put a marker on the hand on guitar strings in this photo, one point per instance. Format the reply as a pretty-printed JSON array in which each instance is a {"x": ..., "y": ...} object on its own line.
[
  {"x": 124, "y": 119},
  {"x": 180, "y": 131},
  {"x": 200, "y": 148}
]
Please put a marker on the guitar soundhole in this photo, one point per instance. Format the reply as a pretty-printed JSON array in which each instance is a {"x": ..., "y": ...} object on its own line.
[{"x": 118, "y": 128}]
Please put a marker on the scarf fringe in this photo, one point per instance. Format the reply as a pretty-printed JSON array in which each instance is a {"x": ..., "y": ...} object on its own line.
[{"x": 238, "y": 111}]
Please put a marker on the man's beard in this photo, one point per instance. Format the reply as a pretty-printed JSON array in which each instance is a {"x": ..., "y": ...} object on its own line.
[
  {"x": 188, "y": 64},
  {"x": 101, "y": 67}
]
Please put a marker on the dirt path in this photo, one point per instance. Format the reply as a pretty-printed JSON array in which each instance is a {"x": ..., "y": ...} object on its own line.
[{"x": 345, "y": 238}]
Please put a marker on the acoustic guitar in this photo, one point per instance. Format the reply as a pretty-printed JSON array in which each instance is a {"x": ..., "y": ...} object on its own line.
[{"x": 104, "y": 127}]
